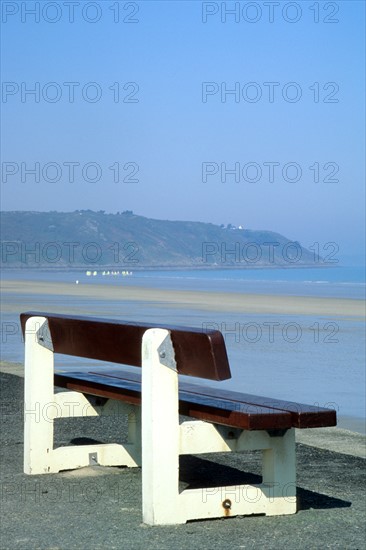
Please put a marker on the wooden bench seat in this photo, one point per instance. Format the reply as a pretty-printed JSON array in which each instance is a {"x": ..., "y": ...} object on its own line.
[
  {"x": 153, "y": 397},
  {"x": 230, "y": 408}
]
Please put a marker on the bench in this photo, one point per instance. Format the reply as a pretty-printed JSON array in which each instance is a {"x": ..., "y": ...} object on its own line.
[{"x": 153, "y": 398}]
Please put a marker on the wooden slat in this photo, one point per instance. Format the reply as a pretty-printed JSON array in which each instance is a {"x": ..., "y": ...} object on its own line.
[
  {"x": 302, "y": 415},
  {"x": 200, "y": 353},
  {"x": 212, "y": 409}
]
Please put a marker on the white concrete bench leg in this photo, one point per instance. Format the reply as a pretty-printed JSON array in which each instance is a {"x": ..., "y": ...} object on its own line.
[
  {"x": 163, "y": 440},
  {"x": 38, "y": 398},
  {"x": 279, "y": 474},
  {"x": 42, "y": 406},
  {"x": 160, "y": 429},
  {"x": 134, "y": 435}
]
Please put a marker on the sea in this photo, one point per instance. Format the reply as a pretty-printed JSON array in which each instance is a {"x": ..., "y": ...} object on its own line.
[{"x": 315, "y": 359}]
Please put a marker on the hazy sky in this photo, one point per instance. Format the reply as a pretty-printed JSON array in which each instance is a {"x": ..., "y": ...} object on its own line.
[{"x": 131, "y": 110}]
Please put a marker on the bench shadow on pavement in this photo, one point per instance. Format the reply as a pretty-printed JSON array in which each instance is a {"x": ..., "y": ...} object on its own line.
[{"x": 197, "y": 472}]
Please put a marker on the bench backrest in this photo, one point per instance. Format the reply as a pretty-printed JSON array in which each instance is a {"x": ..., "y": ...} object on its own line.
[{"x": 198, "y": 352}]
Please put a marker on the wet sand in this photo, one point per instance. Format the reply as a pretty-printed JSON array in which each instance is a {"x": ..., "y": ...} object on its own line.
[{"x": 211, "y": 301}]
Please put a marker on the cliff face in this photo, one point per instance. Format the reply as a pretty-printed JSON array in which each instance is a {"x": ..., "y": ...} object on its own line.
[{"x": 87, "y": 238}]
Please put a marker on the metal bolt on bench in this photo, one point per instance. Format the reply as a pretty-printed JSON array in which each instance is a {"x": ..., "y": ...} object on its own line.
[{"x": 153, "y": 397}]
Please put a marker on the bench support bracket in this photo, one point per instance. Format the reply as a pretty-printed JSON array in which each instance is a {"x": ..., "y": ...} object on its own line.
[
  {"x": 42, "y": 406},
  {"x": 163, "y": 440}
]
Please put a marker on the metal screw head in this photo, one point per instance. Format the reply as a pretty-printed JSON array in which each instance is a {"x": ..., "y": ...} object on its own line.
[
  {"x": 93, "y": 459},
  {"x": 162, "y": 354},
  {"x": 227, "y": 504}
]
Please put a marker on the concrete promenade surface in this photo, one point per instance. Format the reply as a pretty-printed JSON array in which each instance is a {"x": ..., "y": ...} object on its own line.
[{"x": 100, "y": 507}]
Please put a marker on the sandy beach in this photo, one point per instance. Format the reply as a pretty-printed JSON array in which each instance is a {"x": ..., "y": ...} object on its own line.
[{"x": 210, "y": 301}]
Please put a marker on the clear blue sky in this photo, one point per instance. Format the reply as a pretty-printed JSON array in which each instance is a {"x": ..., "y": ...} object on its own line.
[{"x": 169, "y": 132}]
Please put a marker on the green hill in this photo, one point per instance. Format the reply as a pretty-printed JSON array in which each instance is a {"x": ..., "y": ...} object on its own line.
[{"x": 125, "y": 240}]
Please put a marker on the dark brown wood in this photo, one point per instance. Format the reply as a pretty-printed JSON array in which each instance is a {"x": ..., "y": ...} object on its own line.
[
  {"x": 231, "y": 408},
  {"x": 212, "y": 409},
  {"x": 303, "y": 416},
  {"x": 200, "y": 353}
]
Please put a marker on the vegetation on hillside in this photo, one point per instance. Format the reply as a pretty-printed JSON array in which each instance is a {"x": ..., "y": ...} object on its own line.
[{"x": 126, "y": 240}]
